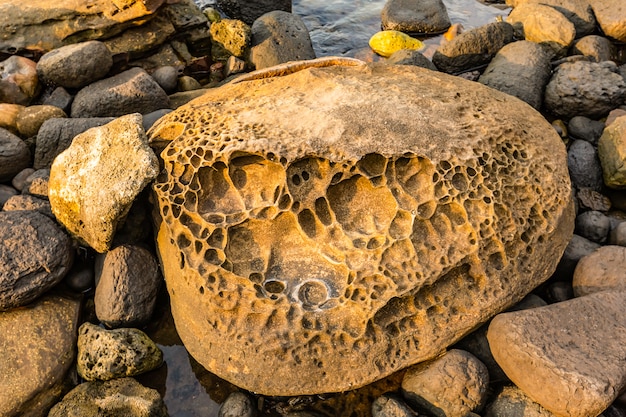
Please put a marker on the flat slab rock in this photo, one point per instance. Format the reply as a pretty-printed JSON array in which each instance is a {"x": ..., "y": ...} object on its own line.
[
  {"x": 404, "y": 208},
  {"x": 570, "y": 357}
]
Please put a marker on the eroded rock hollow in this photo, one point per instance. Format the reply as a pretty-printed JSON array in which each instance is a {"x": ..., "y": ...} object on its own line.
[{"x": 320, "y": 230}]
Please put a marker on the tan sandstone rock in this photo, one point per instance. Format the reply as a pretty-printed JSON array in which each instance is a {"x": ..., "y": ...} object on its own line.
[
  {"x": 570, "y": 357},
  {"x": 323, "y": 229},
  {"x": 603, "y": 270},
  {"x": 612, "y": 153},
  {"x": 94, "y": 182}
]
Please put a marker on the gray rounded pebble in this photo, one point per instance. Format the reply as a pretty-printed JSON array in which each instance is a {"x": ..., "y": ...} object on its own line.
[
  {"x": 411, "y": 57},
  {"x": 6, "y": 192},
  {"x": 19, "y": 181},
  {"x": 581, "y": 127},
  {"x": 584, "y": 166},
  {"x": 237, "y": 404},
  {"x": 167, "y": 78},
  {"x": 593, "y": 225},
  {"x": 14, "y": 155}
]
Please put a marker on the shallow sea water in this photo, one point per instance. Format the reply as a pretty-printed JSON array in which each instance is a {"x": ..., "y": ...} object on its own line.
[{"x": 340, "y": 28}]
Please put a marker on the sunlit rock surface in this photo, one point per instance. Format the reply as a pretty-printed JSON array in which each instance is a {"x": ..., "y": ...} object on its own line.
[{"x": 321, "y": 230}]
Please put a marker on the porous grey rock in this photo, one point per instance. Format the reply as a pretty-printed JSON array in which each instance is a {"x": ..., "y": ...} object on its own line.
[
  {"x": 594, "y": 46},
  {"x": 584, "y": 165},
  {"x": 30, "y": 119},
  {"x": 35, "y": 254},
  {"x": 391, "y": 406},
  {"x": 521, "y": 69},
  {"x": 237, "y": 404},
  {"x": 410, "y": 57},
  {"x": 249, "y": 11},
  {"x": 473, "y": 48},
  {"x": 119, "y": 397},
  {"x": 19, "y": 83},
  {"x": 512, "y": 402},
  {"x": 325, "y": 226},
  {"x": 127, "y": 282},
  {"x": 603, "y": 270},
  {"x": 582, "y": 127},
  {"x": 611, "y": 16},
  {"x": 544, "y": 24},
  {"x": 108, "y": 354},
  {"x": 612, "y": 153},
  {"x": 28, "y": 202},
  {"x": 593, "y": 225},
  {"x": 415, "y": 16},
  {"x": 6, "y": 192},
  {"x": 584, "y": 88},
  {"x": 128, "y": 92},
  {"x": 589, "y": 199},
  {"x": 279, "y": 37},
  {"x": 167, "y": 78},
  {"x": 14, "y": 155},
  {"x": 76, "y": 65},
  {"x": 230, "y": 38},
  {"x": 575, "y": 250},
  {"x": 577, "y": 11},
  {"x": 94, "y": 182},
  {"x": 450, "y": 386},
  {"x": 37, "y": 183},
  {"x": 570, "y": 357},
  {"x": 37, "y": 349},
  {"x": 56, "y": 135}
]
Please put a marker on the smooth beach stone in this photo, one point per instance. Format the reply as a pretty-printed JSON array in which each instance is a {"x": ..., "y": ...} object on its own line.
[
  {"x": 76, "y": 65},
  {"x": 333, "y": 258},
  {"x": 59, "y": 98},
  {"x": 14, "y": 155},
  {"x": 19, "y": 180},
  {"x": 584, "y": 88},
  {"x": 108, "y": 354},
  {"x": 279, "y": 37},
  {"x": 597, "y": 47},
  {"x": 132, "y": 91},
  {"x": 582, "y": 127},
  {"x": 473, "y": 48},
  {"x": 35, "y": 255},
  {"x": 617, "y": 235},
  {"x": 577, "y": 247},
  {"x": 56, "y": 135},
  {"x": 521, "y": 69},
  {"x": 544, "y": 24},
  {"x": 37, "y": 349},
  {"x": 230, "y": 37},
  {"x": 415, "y": 16},
  {"x": 603, "y": 270},
  {"x": 388, "y": 42},
  {"x": 8, "y": 116},
  {"x": 119, "y": 397},
  {"x": 611, "y": 16},
  {"x": 167, "y": 78},
  {"x": 512, "y": 402},
  {"x": 612, "y": 153},
  {"x": 577, "y": 11},
  {"x": 570, "y": 357},
  {"x": 187, "y": 83},
  {"x": 451, "y": 385},
  {"x": 593, "y": 225},
  {"x": 6, "y": 192},
  {"x": 127, "y": 282},
  {"x": 237, "y": 404},
  {"x": 94, "y": 182},
  {"x": 584, "y": 165},
  {"x": 249, "y": 11},
  {"x": 19, "y": 83},
  {"x": 614, "y": 114},
  {"x": 410, "y": 57}
]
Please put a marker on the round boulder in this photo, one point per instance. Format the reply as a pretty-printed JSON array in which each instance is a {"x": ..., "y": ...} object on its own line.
[
  {"x": 393, "y": 218},
  {"x": 14, "y": 155}
]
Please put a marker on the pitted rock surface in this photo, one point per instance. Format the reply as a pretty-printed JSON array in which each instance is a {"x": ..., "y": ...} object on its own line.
[{"x": 321, "y": 230}]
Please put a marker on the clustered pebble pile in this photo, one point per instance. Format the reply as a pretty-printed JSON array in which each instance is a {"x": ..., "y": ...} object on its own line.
[{"x": 575, "y": 79}]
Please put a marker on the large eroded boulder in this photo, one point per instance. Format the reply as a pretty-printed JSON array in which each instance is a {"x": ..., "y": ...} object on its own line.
[{"x": 321, "y": 230}]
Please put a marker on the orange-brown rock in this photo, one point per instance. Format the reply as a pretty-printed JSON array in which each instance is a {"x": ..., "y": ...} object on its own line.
[{"x": 323, "y": 229}]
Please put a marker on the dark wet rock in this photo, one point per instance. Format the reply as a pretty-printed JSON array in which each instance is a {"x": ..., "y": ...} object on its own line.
[
  {"x": 575, "y": 250},
  {"x": 249, "y": 11},
  {"x": 230, "y": 38},
  {"x": 6, "y": 192},
  {"x": 544, "y": 24},
  {"x": 119, "y": 397},
  {"x": 585, "y": 88},
  {"x": 167, "y": 78},
  {"x": 237, "y": 404},
  {"x": 37, "y": 183},
  {"x": 75, "y": 66},
  {"x": 35, "y": 254},
  {"x": 594, "y": 46},
  {"x": 23, "y": 202},
  {"x": 582, "y": 127},
  {"x": 411, "y": 57},
  {"x": 391, "y": 406},
  {"x": 512, "y": 402},
  {"x": 593, "y": 225},
  {"x": 451, "y": 385},
  {"x": 473, "y": 48},
  {"x": 132, "y": 91},
  {"x": 19, "y": 83},
  {"x": 127, "y": 282},
  {"x": 37, "y": 349},
  {"x": 584, "y": 165},
  {"x": 30, "y": 119},
  {"x": 415, "y": 16},
  {"x": 109, "y": 354},
  {"x": 149, "y": 119},
  {"x": 521, "y": 69},
  {"x": 558, "y": 291},
  {"x": 60, "y": 98},
  {"x": 279, "y": 37},
  {"x": 589, "y": 199},
  {"x": 56, "y": 135},
  {"x": 14, "y": 155}
]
